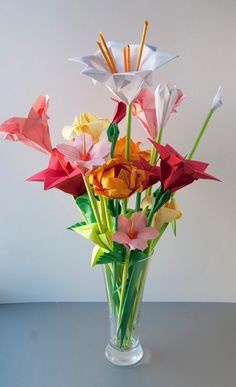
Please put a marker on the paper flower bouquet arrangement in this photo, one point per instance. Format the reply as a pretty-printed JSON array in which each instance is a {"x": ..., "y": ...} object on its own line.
[{"x": 103, "y": 174}]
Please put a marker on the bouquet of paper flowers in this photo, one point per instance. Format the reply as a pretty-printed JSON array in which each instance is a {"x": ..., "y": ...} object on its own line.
[{"x": 103, "y": 174}]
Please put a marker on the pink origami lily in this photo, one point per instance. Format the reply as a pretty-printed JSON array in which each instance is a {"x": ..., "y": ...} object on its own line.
[
  {"x": 144, "y": 109},
  {"x": 32, "y": 130},
  {"x": 84, "y": 153},
  {"x": 133, "y": 232}
]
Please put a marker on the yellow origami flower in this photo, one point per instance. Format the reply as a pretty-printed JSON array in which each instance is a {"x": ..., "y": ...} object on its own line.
[
  {"x": 85, "y": 123},
  {"x": 167, "y": 214}
]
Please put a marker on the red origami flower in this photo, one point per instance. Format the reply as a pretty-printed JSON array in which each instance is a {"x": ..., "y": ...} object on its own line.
[
  {"x": 153, "y": 173},
  {"x": 119, "y": 112},
  {"x": 61, "y": 175},
  {"x": 32, "y": 130},
  {"x": 176, "y": 171}
]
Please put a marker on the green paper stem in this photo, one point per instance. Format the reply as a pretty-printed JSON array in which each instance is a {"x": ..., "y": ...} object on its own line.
[
  {"x": 123, "y": 286},
  {"x": 103, "y": 213},
  {"x": 93, "y": 204},
  {"x": 138, "y": 201},
  {"x": 154, "y": 157},
  {"x": 199, "y": 136},
  {"x": 127, "y": 145},
  {"x": 128, "y": 131}
]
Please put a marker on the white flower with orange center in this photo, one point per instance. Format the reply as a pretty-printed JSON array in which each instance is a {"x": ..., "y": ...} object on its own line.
[{"x": 124, "y": 69}]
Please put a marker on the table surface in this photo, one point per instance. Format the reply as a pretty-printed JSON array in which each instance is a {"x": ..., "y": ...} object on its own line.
[{"x": 62, "y": 345}]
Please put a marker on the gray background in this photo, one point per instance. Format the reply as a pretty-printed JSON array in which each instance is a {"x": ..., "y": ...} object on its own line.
[{"x": 39, "y": 259}]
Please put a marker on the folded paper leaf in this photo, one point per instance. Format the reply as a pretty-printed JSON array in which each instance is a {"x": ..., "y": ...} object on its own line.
[
  {"x": 85, "y": 207},
  {"x": 91, "y": 232},
  {"x": 96, "y": 254},
  {"x": 103, "y": 257}
]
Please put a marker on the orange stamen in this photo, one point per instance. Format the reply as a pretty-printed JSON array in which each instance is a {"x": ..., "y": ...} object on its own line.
[
  {"x": 106, "y": 60},
  {"x": 125, "y": 59},
  {"x": 128, "y": 57},
  {"x": 142, "y": 44},
  {"x": 106, "y": 49}
]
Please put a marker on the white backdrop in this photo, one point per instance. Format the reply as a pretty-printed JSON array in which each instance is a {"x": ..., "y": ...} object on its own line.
[{"x": 39, "y": 259}]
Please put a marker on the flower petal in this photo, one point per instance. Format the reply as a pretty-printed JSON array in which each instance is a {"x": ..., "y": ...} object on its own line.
[
  {"x": 100, "y": 150},
  {"x": 138, "y": 243},
  {"x": 120, "y": 237},
  {"x": 147, "y": 233},
  {"x": 139, "y": 220},
  {"x": 123, "y": 224}
]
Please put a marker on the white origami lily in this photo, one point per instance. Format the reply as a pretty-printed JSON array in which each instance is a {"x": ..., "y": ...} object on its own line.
[
  {"x": 167, "y": 100},
  {"x": 125, "y": 85},
  {"x": 217, "y": 102}
]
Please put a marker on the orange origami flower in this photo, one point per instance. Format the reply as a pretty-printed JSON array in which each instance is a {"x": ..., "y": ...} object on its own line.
[
  {"x": 135, "y": 152},
  {"x": 117, "y": 179}
]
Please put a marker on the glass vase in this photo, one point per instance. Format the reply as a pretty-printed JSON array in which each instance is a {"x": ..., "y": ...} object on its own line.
[{"x": 124, "y": 287}]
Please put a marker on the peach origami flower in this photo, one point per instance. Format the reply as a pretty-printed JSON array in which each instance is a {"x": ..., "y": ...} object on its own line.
[
  {"x": 84, "y": 153},
  {"x": 166, "y": 214},
  {"x": 133, "y": 232},
  {"x": 135, "y": 152},
  {"x": 117, "y": 179},
  {"x": 85, "y": 123},
  {"x": 33, "y": 130}
]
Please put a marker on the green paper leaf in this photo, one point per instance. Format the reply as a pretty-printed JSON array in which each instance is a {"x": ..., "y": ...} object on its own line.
[
  {"x": 96, "y": 254},
  {"x": 91, "y": 232},
  {"x": 136, "y": 256},
  {"x": 85, "y": 207},
  {"x": 112, "y": 256},
  {"x": 111, "y": 207},
  {"x": 173, "y": 224},
  {"x": 76, "y": 225}
]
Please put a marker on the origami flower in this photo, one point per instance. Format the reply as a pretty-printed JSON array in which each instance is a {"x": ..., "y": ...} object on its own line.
[
  {"x": 167, "y": 100},
  {"x": 85, "y": 123},
  {"x": 217, "y": 102},
  {"x": 61, "y": 175},
  {"x": 135, "y": 152},
  {"x": 84, "y": 153},
  {"x": 133, "y": 232},
  {"x": 119, "y": 112},
  {"x": 153, "y": 173},
  {"x": 117, "y": 179},
  {"x": 176, "y": 171},
  {"x": 166, "y": 214},
  {"x": 32, "y": 130},
  {"x": 145, "y": 110},
  {"x": 125, "y": 85}
]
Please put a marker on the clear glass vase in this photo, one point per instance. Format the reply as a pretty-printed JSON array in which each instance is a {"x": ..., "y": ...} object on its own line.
[{"x": 124, "y": 286}]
